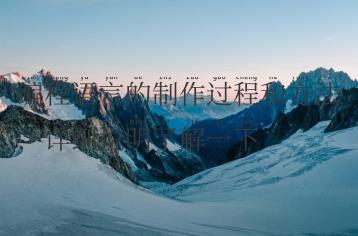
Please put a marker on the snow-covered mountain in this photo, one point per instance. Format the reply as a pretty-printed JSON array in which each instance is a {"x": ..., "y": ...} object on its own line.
[
  {"x": 308, "y": 184},
  {"x": 301, "y": 180},
  {"x": 280, "y": 190},
  {"x": 142, "y": 138},
  {"x": 217, "y": 136},
  {"x": 183, "y": 116}
]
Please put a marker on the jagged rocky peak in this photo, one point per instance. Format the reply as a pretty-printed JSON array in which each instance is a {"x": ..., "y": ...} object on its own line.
[
  {"x": 309, "y": 87},
  {"x": 329, "y": 76},
  {"x": 141, "y": 136},
  {"x": 129, "y": 132},
  {"x": 317, "y": 84},
  {"x": 139, "y": 114}
]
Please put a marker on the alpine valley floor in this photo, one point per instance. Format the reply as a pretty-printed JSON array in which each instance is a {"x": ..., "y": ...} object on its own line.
[{"x": 307, "y": 185}]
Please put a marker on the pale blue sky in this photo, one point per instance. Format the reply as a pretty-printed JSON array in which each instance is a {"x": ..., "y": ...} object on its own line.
[{"x": 182, "y": 38}]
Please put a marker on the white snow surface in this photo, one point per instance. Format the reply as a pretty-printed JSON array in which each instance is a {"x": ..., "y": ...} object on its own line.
[
  {"x": 68, "y": 193},
  {"x": 64, "y": 111},
  {"x": 307, "y": 184}
]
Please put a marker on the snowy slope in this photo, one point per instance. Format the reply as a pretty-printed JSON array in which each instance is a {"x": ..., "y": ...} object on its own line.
[
  {"x": 307, "y": 184},
  {"x": 68, "y": 193},
  {"x": 280, "y": 190},
  {"x": 63, "y": 110}
]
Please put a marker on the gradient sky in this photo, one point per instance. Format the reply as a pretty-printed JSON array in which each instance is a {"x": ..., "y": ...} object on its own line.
[{"x": 153, "y": 38}]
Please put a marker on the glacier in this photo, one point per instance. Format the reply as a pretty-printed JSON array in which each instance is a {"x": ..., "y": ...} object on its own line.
[{"x": 305, "y": 185}]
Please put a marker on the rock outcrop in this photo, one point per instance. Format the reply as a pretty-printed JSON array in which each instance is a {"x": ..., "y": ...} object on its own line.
[
  {"x": 345, "y": 111},
  {"x": 92, "y": 136}
]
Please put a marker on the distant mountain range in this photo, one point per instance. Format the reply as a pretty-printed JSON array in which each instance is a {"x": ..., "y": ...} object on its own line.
[
  {"x": 182, "y": 116},
  {"x": 217, "y": 136}
]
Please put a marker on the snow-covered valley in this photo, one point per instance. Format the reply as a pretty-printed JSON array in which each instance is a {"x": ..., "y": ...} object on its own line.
[
  {"x": 307, "y": 184},
  {"x": 47, "y": 191}
]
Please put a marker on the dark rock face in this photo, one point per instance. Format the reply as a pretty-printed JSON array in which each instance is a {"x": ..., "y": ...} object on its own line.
[
  {"x": 127, "y": 115},
  {"x": 343, "y": 113},
  {"x": 91, "y": 135}
]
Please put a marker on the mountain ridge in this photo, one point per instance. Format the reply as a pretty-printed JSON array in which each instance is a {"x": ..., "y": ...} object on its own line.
[
  {"x": 140, "y": 136},
  {"x": 230, "y": 130}
]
